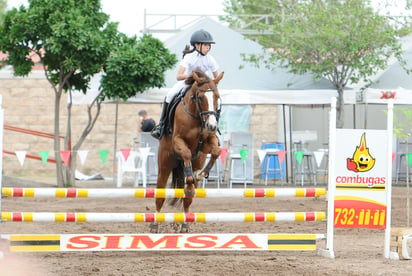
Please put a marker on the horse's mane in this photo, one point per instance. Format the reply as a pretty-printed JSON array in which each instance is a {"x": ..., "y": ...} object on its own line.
[{"x": 190, "y": 80}]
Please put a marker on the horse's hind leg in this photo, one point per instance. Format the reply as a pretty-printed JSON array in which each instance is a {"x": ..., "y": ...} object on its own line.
[
  {"x": 179, "y": 182},
  {"x": 165, "y": 167}
]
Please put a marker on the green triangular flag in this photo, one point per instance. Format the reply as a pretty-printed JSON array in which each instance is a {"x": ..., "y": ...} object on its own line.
[
  {"x": 409, "y": 159},
  {"x": 103, "y": 155},
  {"x": 243, "y": 154},
  {"x": 299, "y": 156},
  {"x": 44, "y": 155}
]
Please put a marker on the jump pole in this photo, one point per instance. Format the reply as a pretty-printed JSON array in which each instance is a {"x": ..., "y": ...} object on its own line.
[
  {"x": 162, "y": 217},
  {"x": 160, "y": 193}
]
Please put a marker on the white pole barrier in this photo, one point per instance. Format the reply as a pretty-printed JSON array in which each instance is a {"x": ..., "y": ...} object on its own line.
[
  {"x": 1, "y": 150},
  {"x": 329, "y": 251},
  {"x": 389, "y": 184},
  {"x": 161, "y": 193}
]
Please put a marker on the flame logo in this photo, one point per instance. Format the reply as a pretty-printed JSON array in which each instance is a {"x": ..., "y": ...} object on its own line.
[{"x": 361, "y": 161}]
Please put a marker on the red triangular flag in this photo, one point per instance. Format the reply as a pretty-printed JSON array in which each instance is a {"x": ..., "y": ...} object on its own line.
[
  {"x": 126, "y": 153},
  {"x": 393, "y": 156},
  {"x": 65, "y": 156},
  {"x": 281, "y": 155},
  {"x": 223, "y": 154}
]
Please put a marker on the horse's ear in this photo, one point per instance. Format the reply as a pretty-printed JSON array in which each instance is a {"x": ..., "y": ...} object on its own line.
[
  {"x": 219, "y": 78},
  {"x": 197, "y": 78}
]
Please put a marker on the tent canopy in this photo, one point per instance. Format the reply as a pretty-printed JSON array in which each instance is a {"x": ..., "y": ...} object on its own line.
[
  {"x": 394, "y": 81},
  {"x": 244, "y": 83}
]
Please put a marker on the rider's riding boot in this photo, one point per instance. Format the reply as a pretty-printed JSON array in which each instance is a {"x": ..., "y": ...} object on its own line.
[{"x": 158, "y": 131}]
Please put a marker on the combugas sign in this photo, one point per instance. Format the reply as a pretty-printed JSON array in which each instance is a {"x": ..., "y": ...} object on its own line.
[{"x": 361, "y": 168}]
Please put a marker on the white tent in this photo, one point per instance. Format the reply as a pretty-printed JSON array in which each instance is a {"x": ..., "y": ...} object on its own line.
[
  {"x": 244, "y": 83},
  {"x": 394, "y": 81}
]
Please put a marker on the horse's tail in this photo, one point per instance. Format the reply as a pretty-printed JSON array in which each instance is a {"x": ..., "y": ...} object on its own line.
[{"x": 178, "y": 182}]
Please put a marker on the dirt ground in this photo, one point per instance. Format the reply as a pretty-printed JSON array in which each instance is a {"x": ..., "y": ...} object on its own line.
[{"x": 358, "y": 251}]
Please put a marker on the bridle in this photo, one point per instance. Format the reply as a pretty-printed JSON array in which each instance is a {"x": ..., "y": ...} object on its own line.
[{"x": 202, "y": 115}]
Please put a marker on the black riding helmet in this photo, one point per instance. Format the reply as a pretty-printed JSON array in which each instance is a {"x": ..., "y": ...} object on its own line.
[{"x": 201, "y": 36}]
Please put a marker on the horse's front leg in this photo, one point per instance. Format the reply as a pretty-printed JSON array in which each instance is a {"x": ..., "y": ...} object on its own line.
[{"x": 181, "y": 149}]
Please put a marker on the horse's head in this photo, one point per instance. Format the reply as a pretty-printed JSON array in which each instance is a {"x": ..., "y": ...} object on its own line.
[{"x": 207, "y": 97}]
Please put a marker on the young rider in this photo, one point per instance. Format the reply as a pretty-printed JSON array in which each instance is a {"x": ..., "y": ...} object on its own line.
[{"x": 195, "y": 59}]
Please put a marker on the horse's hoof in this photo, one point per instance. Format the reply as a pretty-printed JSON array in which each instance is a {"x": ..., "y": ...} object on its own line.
[
  {"x": 175, "y": 227},
  {"x": 185, "y": 228},
  {"x": 199, "y": 175},
  {"x": 154, "y": 227}
]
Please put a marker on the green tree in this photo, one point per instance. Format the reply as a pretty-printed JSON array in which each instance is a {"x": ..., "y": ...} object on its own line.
[
  {"x": 343, "y": 41},
  {"x": 3, "y": 5},
  {"x": 74, "y": 40}
]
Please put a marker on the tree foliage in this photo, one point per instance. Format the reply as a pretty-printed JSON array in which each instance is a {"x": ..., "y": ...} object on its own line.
[
  {"x": 135, "y": 66},
  {"x": 74, "y": 40},
  {"x": 343, "y": 41},
  {"x": 3, "y": 5}
]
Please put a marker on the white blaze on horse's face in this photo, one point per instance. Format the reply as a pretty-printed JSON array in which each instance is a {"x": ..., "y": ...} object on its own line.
[{"x": 211, "y": 123}]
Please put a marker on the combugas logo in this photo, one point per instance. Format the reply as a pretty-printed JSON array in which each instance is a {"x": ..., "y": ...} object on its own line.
[{"x": 361, "y": 161}]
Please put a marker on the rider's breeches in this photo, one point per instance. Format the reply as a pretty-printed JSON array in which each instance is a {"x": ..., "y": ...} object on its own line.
[{"x": 175, "y": 89}]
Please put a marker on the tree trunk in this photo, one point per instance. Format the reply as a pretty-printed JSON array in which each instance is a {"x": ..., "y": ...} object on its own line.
[
  {"x": 340, "y": 109},
  {"x": 115, "y": 144},
  {"x": 69, "y": 178},
  {"x": 90, "y": 124},
  {"x": 59, "y": 166}
]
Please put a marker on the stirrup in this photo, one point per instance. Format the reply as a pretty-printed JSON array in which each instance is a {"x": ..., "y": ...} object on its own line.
[{"x": 157, "y": 132}]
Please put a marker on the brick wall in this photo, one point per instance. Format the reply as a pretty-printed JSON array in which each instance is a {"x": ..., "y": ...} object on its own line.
[{"x": 29, "y": 103}]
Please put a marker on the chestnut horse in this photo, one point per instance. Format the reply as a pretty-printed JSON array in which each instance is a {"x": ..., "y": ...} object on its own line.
[{"x": 194, "y": 129}]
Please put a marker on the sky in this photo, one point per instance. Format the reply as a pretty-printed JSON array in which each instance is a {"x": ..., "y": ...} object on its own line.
[{"x": 130, "y": 13}]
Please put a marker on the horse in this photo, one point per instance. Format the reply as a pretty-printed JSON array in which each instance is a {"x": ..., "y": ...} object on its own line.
[{"x": 183, "y": 153}]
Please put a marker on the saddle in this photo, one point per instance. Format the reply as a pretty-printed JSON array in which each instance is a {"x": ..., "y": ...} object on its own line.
[{"x": 172, "y": 108}]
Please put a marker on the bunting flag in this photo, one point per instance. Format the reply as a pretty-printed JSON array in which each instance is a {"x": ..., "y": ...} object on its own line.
[
  {"x": 82, "y": 155},
  {"x": 125, "y": 153},
  {"x": 299, "y": 156},
  {"x": 409, "y": 157},
  {"x": 21, "y": 156},
  {"x": 261, "y": 154},
  {"x": 223, "y": 154},
  {"x": 318, "y": 157},
  {"x": 243, "y": 154},
  {"x": 144, "y": 152},
  {"x": 281, "y": 156},
  {"x": 103, "y": 155},
  {"x": 65, "y": 154},
  {"x": 44, "y": 155},
  {"x": 393, "y": 157}
]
